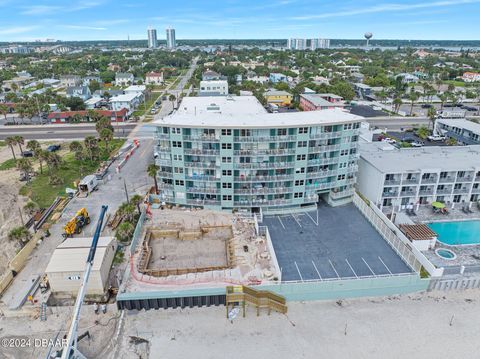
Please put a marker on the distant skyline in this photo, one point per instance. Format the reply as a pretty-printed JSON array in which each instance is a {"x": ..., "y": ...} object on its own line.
[{"x": 27, "y": 20}]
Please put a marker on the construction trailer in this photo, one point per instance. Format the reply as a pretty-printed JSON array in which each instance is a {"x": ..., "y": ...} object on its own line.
[
  {"x": 88, "y": 184},
  {"x": 67, "y": 265}
]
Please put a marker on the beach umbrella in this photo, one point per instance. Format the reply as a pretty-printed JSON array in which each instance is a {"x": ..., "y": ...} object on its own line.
[{"x": 438, "y": 205}]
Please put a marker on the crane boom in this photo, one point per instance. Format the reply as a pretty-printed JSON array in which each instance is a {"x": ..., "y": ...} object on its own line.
[{"x": 70, "y": 351}]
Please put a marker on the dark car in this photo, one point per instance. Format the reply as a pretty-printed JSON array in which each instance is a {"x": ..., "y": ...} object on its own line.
[
  {"x": 426, "y": 105},
  {"x": 53, "y": 148},
  {"x": 470, "y": 108},
  {"x": 408, "y": 139},
  {"x": 27, "y": 154}
]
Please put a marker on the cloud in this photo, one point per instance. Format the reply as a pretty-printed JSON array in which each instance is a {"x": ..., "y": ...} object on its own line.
[
  {"x": 82, "y": 27},
  {"x": 17, "y": 30},
  {"x": 52, "y": 9},
  {"x": 386, "y": 8}
]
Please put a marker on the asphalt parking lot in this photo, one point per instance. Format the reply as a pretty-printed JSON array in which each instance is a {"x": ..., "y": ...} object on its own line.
[{"x": 339, "y": 243}]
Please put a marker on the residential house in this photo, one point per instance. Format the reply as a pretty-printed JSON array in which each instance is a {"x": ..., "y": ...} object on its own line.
[
  {"x": 66, "y": 116},
  {"x": 210, "y": 75},
  {"x": 277, "y": 77},
  {"x": 70, "y": 80},
  {"x": 128, "y": 101},
  {"x": 89, "y": 79},
  {"x": 408, "y": 78},
  {"x": 471, "y": 77},
  {"x": 362, "y": 90},
  {"x": 213, "y": 88},
  {"x": 315, "y": 102},
  {"x": 124, "y": 79},
  {"x": 154, "y": 78},
  {"x": 79, "y": 91},
  {"x": 279, "y": 98}
]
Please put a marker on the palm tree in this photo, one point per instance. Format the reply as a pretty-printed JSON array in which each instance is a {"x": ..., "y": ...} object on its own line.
[
  {"x": 443, "y": 98},
  {"x": 124, "y": 232},
  {"x": 412, "y": 96},
  {"x": 77, "y": 148},
  {"x": 127, "y": 210},
  {"x": 106, "y": 135},
  {"x": 397, "y": 102},
  {"x": 136, "y": 200},
  {"x": 33, "y": 145},
  {"x": 11, "y": 141},
  {"x": 91, "y": 144},
  {"x": 152, "y": 170},
  {"x": 20, "y": 141},
  {"x": 24, "y": 165},
  {"x": 432, "y": 115},
  {"x": 53, "y": 162},
  {"x": 76, "y": 118},
  {"x": 4, "y": 111},
  {"x": 41, "y": 156},
  {"x": 172, "y": 99}
]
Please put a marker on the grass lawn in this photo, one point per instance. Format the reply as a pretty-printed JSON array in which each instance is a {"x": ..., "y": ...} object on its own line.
[
  {"x": 43, "y": 193},
  {"x": 454, "y": 83},
  {"x": 8, "y": 164},
  {"x": 2, "y": 143}
]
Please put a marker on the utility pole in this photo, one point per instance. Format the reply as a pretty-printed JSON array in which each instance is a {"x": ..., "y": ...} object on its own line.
[{"x": 126, "y": 192}]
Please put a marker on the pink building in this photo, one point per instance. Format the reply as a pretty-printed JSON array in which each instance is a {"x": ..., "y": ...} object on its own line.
[{"x": 315, "y": 102}]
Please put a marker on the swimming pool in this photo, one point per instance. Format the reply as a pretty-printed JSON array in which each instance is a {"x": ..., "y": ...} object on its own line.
[{"x": 455, "y": 233}]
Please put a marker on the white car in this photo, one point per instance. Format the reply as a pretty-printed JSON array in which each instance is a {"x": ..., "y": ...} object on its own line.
[
  {"x": 389, "y": 140},
  {"x": 436, "y": 138},
  {"x": 416, "y": 144}
]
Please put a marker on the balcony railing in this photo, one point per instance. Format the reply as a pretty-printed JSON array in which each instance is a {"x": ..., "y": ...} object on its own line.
[
  {"x": 394, "y": 182},
  {"x": 272, "y": 152},
  {"x": 390, "y": 194},
  {"x": 165, "y": 174},
  {"x": 264, "y": 165},
  {"x": 460, "y": 190},
  {"x": 264, "y": 138},
  {"x": 429, "y": 180},
  {"x": 464, "y": 179},
  {"x": 342, "y": 194},
  {"x": 407, "y": 193},
  {"x": 202, "y": 178},
  {"x": 264, "y": 190},
  {"x": 425, "y": 192},
  {"x": 261, "y": 202},
  {"x": 201, "y": 164},
  {"x": 326, "y": 135},
  {"x": 201, "y": 202},
  {"x": 448, "y": 179},
  {"x": 201, "y": 138},
  {"x": 321, "y": 174},
  {"x": 319, "y": 186},
  {"x": 326, "y": 148},
  {"x": 322, "y": 161},
  {"x": 444, "y": 191},
  {"x": 411, "y": 181},
  {"x": 198, "y": 152},
  {"x": 202, "y": 190},
  {"x": 276, "y": 178}
]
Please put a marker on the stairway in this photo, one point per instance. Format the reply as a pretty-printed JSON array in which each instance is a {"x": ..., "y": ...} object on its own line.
[
  {"x": 43, "y": 312},
  {"x": 259, "y": 298}
]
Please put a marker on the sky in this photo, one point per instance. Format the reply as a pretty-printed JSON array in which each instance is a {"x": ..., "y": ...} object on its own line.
[{"x": 28, "y": 20}]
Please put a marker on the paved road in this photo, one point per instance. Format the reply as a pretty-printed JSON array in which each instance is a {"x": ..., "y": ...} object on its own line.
[
  {"x": 59, "y": 132},
  {"x": 111, "y": 193}
]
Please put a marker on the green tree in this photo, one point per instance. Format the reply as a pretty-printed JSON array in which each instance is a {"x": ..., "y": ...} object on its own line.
[
  {"x": 77, "y": 148},
  {"x": 20, "y": 141},
  {"x": 20, "y": 234},
  {"x": 94, "y": 86},
  {"x": 103, "y": 122},
  {"x": 53, "y": 161},
  {"x": 432, "y": 116},
  {"x": 77, "y": 118},
  {"x": 397, "y": 102},
  {"x": 25, "y": 166},
  {"x": 152, "y": 170},
  {"x": 91, "y": 145},
  {"x": 172, "y": 99},
  {"x": 127, "y": 211},
  {"x": 412, "y": 96},
  {"x": 106, "y": 135},
  {"x": 41, "y": 156},
  {"x": 452, "y": 141},
  {"x": 137, "y": 200},
  {"x": 33, "y": 145},
  {"x": 124, "y": 232},
  {"x": 443, "y": 98},
  {"x": 11, "y": 141},
  {"x": 4, "y": 111}
]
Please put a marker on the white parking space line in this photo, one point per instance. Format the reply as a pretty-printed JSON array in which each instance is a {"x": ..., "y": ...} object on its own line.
[
  {"x": 314, "y": 266},
  {"x": 346, "y": 260},
  {"x": 333, "y": 268},
  {"x": 296, "y": 220},
  {"x": 300, "y": 274},
  {"x": 308, "y": 214},
  {"x": 281, "y": 222},
  {"x": 364, "y": 261},
  {"x": 385, "y": 265}
]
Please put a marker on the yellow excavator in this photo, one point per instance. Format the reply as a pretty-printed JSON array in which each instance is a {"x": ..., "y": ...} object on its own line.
[{"x": 76, "y": 224}]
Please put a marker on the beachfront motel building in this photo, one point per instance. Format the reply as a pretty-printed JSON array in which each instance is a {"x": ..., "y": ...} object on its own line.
[
  {"x": 228, "y": 153},
  {"x": 400, "y": 177}
]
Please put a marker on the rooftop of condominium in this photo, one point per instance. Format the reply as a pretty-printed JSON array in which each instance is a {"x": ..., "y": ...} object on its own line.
[
  {"x": 461, "y": 123},
  {"x": 389, "y": 159},
  {"x": 246, "y": 111}
]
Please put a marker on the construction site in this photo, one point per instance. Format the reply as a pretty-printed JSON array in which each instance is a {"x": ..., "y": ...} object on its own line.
[{"x": 194, "y": 250}]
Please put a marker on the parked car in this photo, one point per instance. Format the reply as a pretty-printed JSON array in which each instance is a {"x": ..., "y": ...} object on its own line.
[
  {"x": 53, "y": 148},
  {"x": 436, "y": 138},
  {"x": 27, "y": 154},
  {"x": 470, "y": 108},
  {"x": 408, "y": 140},
  {"x": 389, "y": 140},
  {"x": 417, "y": 144},
  {"x": 426, "y": 105}
]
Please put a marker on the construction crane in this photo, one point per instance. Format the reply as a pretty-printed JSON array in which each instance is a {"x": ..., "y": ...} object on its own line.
[
  {"x": 71, "y": 350},
  {"x": 76, "y": 224}
]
